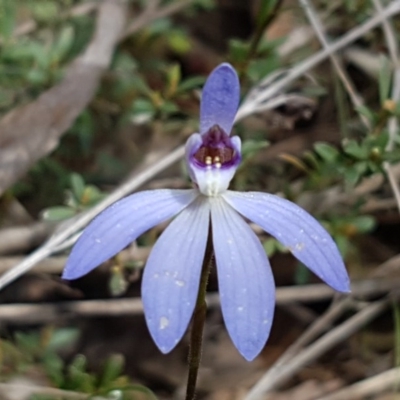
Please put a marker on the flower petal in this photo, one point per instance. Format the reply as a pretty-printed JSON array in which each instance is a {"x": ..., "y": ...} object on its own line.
[
  {"x": 296, "y": 229},
  {"x": 220, "y": 99},
  {"x": 172, "y": 273},
  {"x": 246, "y": 283},
  {"x": 120, "y": 224}
]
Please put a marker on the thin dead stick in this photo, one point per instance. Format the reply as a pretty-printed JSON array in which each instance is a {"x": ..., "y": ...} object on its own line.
[
  {"x": 150, "y": 15},
  {"x": 391, "y": 41},
  {"x": 253, "y": 104},
  {"x": 377, "y": 384},
  {"x": 266, "y": 384},
  {"x": 315, "y": 22},
  {"x": 326, "y": 320},
  {"x": 23, "y": 238},
  {"x": 390, "y": 35},
  {"x": 55, "y": 265},
  {"x": 319, "y": 326},
  {"x": 393, "y": 129},
  {"x": 45, "y": 312}
]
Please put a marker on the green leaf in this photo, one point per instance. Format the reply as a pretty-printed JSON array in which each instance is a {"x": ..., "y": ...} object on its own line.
[
  {"x": 270, "y": 246},
  {"x": 364, "y": 223},
  {"x": 302, "y": 275},
  {"x": 238, "y": 50},
  {"x": 63, "y": 44},
  {"x": 7, "y": 18},
  {"x": 385, "y": 79},
  {"x": 117, "y": 284},
  {"x": 140, "y": 84},
  {"x": 58, "y": 213},
  {"x": 251, "y": 147},
  {"x": 364, "y": 110},
  {"x": 179, "y": 41},
  {"x": 356, "y": 172},
  {"x": 354, "y": 149},
  {"x": 45, "y": 10},
  {"x": 343, "y": 244},
  {"x": 169, "y": 107},
  {"x": 258, "y": 69},
  {"x": 78, "y": 378},
  {"x": 190, "y": 84},
  {"x": 37, "y": 76},
  {"x": 92, "y": 195},
  {"x": 113, "y": 368},
  {"x": 77, "y": 186},
  {"x": 326, "y": 151},
  {"x": 54, "y": 366},
  {"x": 266, "y": 8},
  {"x": 62, "y": 338},
  {"x": 142, "y": 111},
  {"x": 159, "y": 26},
  {"x": 28, "y": 342},
  {"x": 124, "y": 62}
]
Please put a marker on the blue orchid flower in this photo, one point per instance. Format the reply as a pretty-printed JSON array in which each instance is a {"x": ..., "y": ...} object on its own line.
[{"x": 172, "y": 273}]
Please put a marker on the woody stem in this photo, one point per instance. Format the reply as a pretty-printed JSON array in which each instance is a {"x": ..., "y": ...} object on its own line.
[{"x": 199, "y": 318}]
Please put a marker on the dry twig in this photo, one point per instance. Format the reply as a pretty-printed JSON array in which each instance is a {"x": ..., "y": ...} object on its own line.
[
  {"x": 45, "y": 312},
  {"x": 23, "y": 238},
  {"x": 377, "y": 384},
  {"x": 270, "y": 382},
  {"x": 23, "y": 390}
]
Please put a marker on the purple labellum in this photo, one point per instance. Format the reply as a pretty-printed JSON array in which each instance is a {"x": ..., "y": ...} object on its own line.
[{"x": 217, "y": 150}]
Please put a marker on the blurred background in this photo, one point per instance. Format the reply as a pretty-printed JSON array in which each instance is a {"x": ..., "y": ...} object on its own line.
[{"x": 94, "y": 98}]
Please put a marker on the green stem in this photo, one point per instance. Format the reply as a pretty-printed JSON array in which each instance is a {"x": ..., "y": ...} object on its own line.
[
  {"x": 258, "y": 35},
  {"x": 199, "y": 318}
]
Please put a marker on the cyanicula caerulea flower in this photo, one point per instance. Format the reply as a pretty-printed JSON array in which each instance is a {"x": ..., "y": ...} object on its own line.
[{"x": 172, "y": 273}]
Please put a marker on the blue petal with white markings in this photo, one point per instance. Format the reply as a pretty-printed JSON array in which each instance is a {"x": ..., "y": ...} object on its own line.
[
  {"x": 220, "y": 99},
  {"x": 172, "y": 274},
  {"x": 120, "y": 224},
  {"x": 246, "y": 283},
  {"x": 301, "y": 233}
]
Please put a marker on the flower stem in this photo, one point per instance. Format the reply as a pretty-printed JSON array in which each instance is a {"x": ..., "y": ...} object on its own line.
[{"x": 199, "y": 318}]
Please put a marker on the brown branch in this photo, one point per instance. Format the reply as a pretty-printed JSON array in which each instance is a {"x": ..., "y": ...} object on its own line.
[
  {"x": 29, "y": 132},
  {"x": 270, "y": 382},
  {"x": 369, "y": 387}
]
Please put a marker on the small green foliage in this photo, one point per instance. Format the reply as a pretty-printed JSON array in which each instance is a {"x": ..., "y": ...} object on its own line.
[
  {"x": 39, "y": 350},
  {"x": 252, "y": 147},
  {"x": 162, "y": 104},
  {"x": 118, "y": 284},
  {"x": 344, "y": 229},
  {"x": 79, "y": 198},
  {"x": 385, "y": 80},
  {"x": 44, "y": 11},
  {"x": 273, "y": 246},
  {"x": 327, "y": 152},
  {"x": 355, "y": 160},
  {"x": 266, "y": 8},
  {"x": 263, "y": 61},
  {"x": 302, "y": 275},
  {"x": 7, "y": 18}
]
